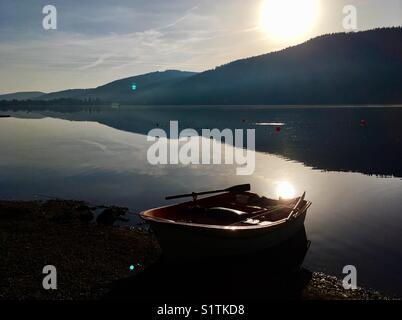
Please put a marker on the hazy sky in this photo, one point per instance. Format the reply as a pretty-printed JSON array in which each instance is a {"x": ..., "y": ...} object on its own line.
[{"x": 98, "y": 41}]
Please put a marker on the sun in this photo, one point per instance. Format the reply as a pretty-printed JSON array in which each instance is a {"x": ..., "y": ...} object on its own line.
[{"x": 286, "y": 20}]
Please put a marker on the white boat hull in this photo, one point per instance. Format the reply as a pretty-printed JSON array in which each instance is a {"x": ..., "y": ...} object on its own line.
[{"x": 183, "y": 241}]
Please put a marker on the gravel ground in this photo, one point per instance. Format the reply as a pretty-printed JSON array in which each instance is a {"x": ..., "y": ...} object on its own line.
[{"x": 91, "y": 258}]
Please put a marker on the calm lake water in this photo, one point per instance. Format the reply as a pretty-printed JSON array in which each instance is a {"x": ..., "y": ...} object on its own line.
[{"x": 347, "y": 159}]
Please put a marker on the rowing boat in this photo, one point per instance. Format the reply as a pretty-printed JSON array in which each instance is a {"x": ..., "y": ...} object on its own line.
[{"x": 234, "y": 222}]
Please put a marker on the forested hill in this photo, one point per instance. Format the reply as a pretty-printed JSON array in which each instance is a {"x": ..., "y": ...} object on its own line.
[{"x": 342, "y": 68}]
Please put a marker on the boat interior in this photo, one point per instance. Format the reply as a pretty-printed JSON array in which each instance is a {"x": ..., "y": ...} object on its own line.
[{"x": 229, "y": 209}]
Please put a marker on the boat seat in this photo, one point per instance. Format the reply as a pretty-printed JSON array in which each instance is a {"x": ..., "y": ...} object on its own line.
[{"x": 252, "y": 221}]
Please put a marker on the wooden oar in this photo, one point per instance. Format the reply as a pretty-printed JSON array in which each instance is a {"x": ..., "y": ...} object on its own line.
[
  {"x": 259, "y": 214},
  {"x": 276, "y": 208},
  {"x": 235, "y": 189},
  {"x": 296, "y": 207}
]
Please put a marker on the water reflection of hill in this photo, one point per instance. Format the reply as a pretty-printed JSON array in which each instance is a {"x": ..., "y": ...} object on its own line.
[{"x": 361, "y": 139}]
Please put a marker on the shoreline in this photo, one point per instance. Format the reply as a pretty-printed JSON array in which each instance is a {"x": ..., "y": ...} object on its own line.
[{"x": 93, "y": 260}]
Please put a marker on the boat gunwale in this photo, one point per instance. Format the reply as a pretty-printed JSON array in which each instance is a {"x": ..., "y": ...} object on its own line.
[{"x": 293, "y": 216}]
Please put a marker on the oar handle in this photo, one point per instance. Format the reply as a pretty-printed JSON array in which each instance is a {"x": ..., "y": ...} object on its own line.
[{"x": 179, "y": 196}]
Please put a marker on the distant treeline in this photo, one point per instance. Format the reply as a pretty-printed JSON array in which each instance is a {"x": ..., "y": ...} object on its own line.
[{"x": 50, "y": 103}]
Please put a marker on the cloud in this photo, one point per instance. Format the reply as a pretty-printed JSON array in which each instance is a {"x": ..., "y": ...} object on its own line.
[
  {"x": 177, "y": 21},
  {"x": 96, "y": 63},
  {"x": 100, "y": 41}
]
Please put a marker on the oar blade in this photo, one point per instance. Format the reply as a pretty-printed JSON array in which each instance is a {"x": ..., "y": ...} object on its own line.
[
  {"x": 240, "y": 188},
  {"x": 235, "y": 189}
]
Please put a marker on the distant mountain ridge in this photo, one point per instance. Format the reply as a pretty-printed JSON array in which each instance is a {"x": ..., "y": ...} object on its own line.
[
  {"x": 343, "y": 68},
  {"x": 22, "y": 95},
  {"x": 122, "y": 90}
]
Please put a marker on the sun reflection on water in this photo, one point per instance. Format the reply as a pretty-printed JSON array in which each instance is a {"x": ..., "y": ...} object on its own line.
[{"x": 285, "y": 190}]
